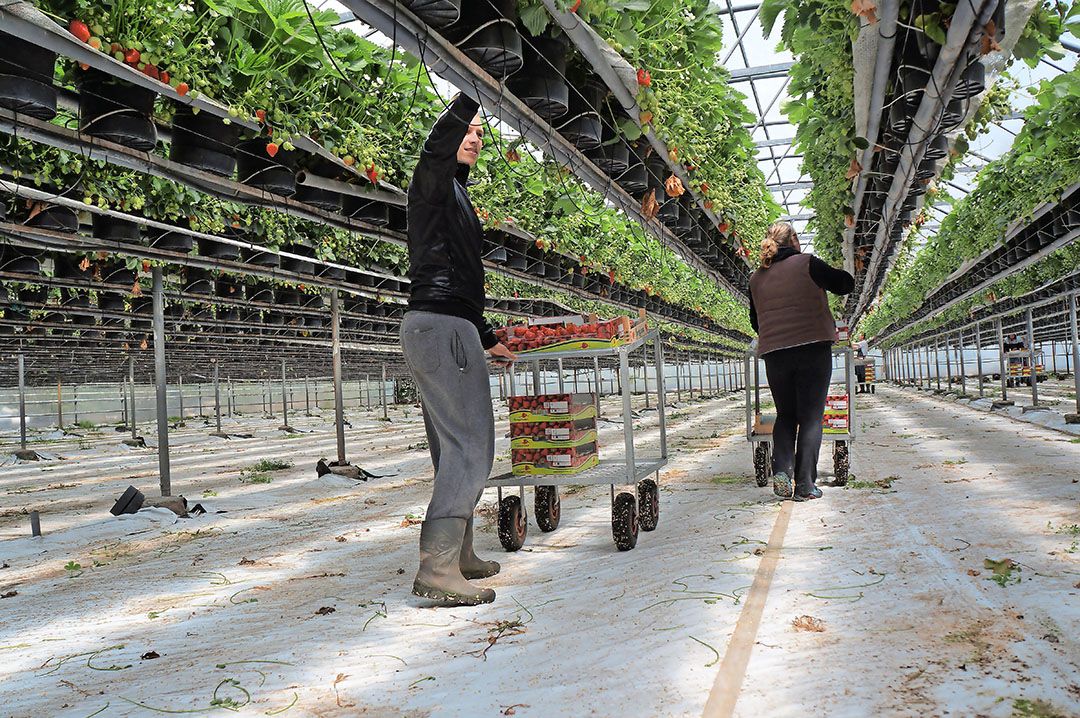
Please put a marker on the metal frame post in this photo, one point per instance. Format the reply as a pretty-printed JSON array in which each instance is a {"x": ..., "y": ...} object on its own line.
[
  {"x": 131, "y": 382},
  {"x": 978, "y": 355},
  {"x": 217, "y": 395},
  {"x": 59, "y": 407},
  {"x": 284, "y": 398},
  {"x": 307, "y": 397},
  {"x": 160, "y": 383},
  {"x": 1034, "y": 374},
  {"x": 180, "y": 394},
  {"x": 948, "y": 362},
  {"x": 937, "y": 363},
  {"x": 963, "y": 367},
  {"x": 22, "y": 402},
  {"x": 382, "y": 394},
  {"x": 1001, "y": 359},
  {"x": 339, "y": 398},
  {"x": 1075, "y": 350}
]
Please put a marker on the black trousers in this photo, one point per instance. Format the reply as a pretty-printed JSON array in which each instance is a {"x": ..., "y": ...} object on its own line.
[{"x": 799, "y": 380}]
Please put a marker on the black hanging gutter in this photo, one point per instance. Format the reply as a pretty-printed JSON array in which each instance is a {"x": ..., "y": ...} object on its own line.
[{"x": 397, "y": 22}]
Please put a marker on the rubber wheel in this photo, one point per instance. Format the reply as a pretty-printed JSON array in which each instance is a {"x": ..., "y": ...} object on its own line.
[
  {"x": 513, "y": 523},
  {"x": 841, "y": 463},
  {"x": 762, "y": 463},
  {"x": 624, "y": 521},
  {"x": 649, "y": 501},
  {"x": 873, "y": 389},
  {"x": 548, "y": 507}
]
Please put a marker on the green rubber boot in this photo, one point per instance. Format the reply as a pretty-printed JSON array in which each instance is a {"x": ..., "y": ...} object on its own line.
[
  {"x": 783, "y": 485},
  {"x": 439, "y": 577},
  {"x": 472, "y": 566}
]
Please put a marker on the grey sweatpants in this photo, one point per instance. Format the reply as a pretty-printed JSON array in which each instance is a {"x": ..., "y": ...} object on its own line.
[{"x": 449, "y": 365}]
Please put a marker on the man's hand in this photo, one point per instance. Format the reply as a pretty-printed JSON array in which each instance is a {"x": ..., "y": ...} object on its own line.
[{"x": 501, "y": 355}]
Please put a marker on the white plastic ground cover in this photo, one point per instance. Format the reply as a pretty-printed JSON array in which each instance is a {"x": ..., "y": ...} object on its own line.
[{"x": 295, "y": 600}]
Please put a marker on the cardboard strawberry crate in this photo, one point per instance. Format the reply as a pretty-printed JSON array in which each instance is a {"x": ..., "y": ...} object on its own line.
[
  {"x": 835, "y": 423},
  {"x": 836, "y": 403},
  {"x": 554, "y": 461},
  {"x": 552, "y": 434},
  {"x": 571, "y": 333},
  {"x": 552, "y": 407}
]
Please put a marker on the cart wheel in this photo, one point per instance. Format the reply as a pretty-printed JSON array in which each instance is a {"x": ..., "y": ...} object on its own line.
[
  {"x": 548, "y": 507},
  {"x": 840, "y": 463},
  {"x": 762, "y": 463},
  {"x": 873, "y": 388},
  {"x": 624, "y": 521},
  {"x": 649, "y": 501},
  {"x": 513, "y": 523}
]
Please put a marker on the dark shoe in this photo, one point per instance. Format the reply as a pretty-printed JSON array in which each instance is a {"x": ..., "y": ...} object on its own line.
[
  {"x": 808, "y": 495},
  {"x": 471, "y": 565},
  {"x": 782, "y": 485},
  {"x": 439, "y": 577}
]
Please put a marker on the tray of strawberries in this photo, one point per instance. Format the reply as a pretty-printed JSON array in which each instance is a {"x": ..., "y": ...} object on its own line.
[
  {"x": 552, "y": 407},
  {"x": 572, "y": 333},
  {"x": 552, "y": 434},
  {"x": 570, "y": 460}
]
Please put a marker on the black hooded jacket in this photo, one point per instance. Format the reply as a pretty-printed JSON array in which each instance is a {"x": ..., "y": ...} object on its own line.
[{"x": 445, "y": 237}]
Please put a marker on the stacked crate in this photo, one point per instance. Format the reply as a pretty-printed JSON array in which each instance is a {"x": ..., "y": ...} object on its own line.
[
  {"x": 837, "y": 416},
  {"x": 553, "y": 434}
]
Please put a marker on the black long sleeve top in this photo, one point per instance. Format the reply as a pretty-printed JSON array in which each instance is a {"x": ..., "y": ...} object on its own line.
[{"x": 828, "y": 278}]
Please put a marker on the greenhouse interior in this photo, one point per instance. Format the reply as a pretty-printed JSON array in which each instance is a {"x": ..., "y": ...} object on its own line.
[{"x": 314, "y": 311}]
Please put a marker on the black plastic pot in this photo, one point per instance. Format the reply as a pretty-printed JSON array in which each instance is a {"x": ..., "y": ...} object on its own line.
[
  {"x": 899, "y": 119},
  {"x": 260, "y": 258},
  {"x": 972, "y": 81},
  {"x": 17, "y": 260},
  {"x": 26, "y": 75},
  {"x": 258, "y": 292},
  {"x": 953, "y": 114},
  {"x": 938, "y": 149},
  {"x": 221, "y": 250},
  {"x": 437, "y": 13},
  {"x": 256, "y": 168},
  {"x": 66, "y": 266},
  {"x": 686, "y": 218},
  {"x": 541, "y": 82},
  {"x": 204, "y": 141},
  {"x": 117, "y": 111},
  {"x": 114, "y": 229},
  {"x": 111, "y": 302},
  {"x": 670, "y": 213},
  {"x": 321, "y": 198},
  {"x": 55, "y": 218},
  {"x": 365, "y": 210},
  {"x": 581, "y": 124},
  {"x": 612, "y": 157},
  {"x": 169, "y": 240},
  {"x": 228, "y": 288},
  {"x": 635, "y": 179},
  {"x": 287, "y": 297},
  {"x": 228, "y": 314},
  {"x": 198, "y": 281},
  {"x": 912, "y": 85},
  {"x": 926, "y": 170},
  {"x": 486, "y": 32},
  {"x": 300, "y": 266}
]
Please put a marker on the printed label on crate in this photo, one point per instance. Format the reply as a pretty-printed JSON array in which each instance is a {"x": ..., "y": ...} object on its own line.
[
  {"x": 837, "y": 401},
  {"x": 554, "y": 461},
  {"x": 546, "y": 407},
  {"x": 835, "y": 422},
  {"x": 534, "y": 470},
  {"x": 545, "y": 440}
]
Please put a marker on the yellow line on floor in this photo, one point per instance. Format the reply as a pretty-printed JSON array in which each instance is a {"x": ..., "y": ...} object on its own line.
[{"x": 728, "y": 683}]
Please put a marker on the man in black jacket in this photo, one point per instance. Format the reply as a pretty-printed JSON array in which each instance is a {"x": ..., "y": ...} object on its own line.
[{"x": 444, "y": 337}]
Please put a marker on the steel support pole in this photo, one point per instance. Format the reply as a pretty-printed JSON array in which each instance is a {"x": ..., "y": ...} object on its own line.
[
  {"x": 645, "y": 373},
  {"x": 1053, "y": 356},
  {"x": 937, "y": 363},
  {"x": 367, "y": 390},
  {"x": 284, "y": 398},
  {"x": 1002, "y": 368},
  {"x": 948, "y": 361},
  {"x": 131, "y": 382},
  {"x": 339, "y": 398},
  {"x": 596, "y": 377},
  {"x": 307, "y": 396},
  {"x": 160, "y": 384},
  {"x": 59, "y": 406},
  {"x": 963, "y": 368},
  {"x": 978, "y": 356},
  {"x": 180, "y": 392},
  {"x": 217, "y": 396},
  {"x": 382, "y": 394},
  {"x": 1034, "y": 378},
  {"x": 232, "y": 398},
  {"x": 1073, "y": 331},
  {"x": 22, "y": 402},
  {"x": 678, "y": 376}
]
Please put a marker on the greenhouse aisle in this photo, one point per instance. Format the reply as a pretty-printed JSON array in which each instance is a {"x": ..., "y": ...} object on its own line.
[{"x": 295, "y": 600}]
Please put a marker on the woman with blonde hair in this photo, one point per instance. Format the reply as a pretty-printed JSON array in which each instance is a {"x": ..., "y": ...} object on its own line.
[{"x": 790, "y": 312}]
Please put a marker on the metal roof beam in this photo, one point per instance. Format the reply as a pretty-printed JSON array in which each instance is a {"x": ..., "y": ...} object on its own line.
[{"x": 761, "y": 72}]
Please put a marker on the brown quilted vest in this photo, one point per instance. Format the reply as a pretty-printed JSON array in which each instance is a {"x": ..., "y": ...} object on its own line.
[{"x": 791, "y": 309}]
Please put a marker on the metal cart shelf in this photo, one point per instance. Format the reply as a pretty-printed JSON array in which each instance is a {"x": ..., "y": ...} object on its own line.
[
  {"x": 761, "y": 442},
  {"x": 630, "y": 511}
]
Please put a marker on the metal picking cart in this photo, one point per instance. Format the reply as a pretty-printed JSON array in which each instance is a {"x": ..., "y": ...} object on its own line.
[
  {"x": 759, "y": 432},
  {"x": 638, "y": 508},
  {"x": 1020, "y": 369},
  {"x": 866, "y": 380}
]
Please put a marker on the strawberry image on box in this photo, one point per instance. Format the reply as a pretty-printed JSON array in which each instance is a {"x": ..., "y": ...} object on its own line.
[
  {"x": 554, "y": 461},
  {"x": 552, "y": 407}
]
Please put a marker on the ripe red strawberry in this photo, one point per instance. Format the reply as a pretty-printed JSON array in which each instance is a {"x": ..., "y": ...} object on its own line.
[
  {"x": 575, "y": 6},
  {"x": 271, "y": 148},
  {"x": 182, "y": 89},
  {"x": 372, "y": 173},
  {"x": 643, "y": 77},
  {"x": 164, "y": 77},
  {"x": 132, "y": 56},
  {"x": 261, "y": 114},
  {"x": 80, "y": 30}
]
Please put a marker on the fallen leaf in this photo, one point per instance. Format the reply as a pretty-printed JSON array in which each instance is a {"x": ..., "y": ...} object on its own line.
[
  {"x": 341, "y": 539},
  {"x": 246, "y": 562},
  {"x": 865, "y": 9},
  {"x": 808, "y": 623},
  {"x": 509, "y": 711},
  {"x": 853, "y": 169},
  {"x": 673, "y": 186},
  {"x": 325, "y": 611},
  {"x": 649, "y": 205},
  {"x": 989, "y": 43},
  {"x": 150, "y": 655},
  {"x": 9, "y": 594},
  {"x": 973, "y": 572}
]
